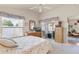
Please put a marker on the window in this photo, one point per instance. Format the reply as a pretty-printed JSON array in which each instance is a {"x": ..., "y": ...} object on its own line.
[
  {"x": 10, "y": 22},
  {"x": 11, "y": 27}
]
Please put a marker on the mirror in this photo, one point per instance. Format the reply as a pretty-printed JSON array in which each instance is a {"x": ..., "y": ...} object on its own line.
[{"x": 31, "y": 25}]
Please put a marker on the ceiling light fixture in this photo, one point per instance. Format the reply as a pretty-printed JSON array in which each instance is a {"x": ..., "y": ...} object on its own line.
[{"x": 40, "y": 8}]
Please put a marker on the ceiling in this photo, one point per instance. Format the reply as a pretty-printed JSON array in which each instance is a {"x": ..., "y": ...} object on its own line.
[{"x": 28, "y": 6}]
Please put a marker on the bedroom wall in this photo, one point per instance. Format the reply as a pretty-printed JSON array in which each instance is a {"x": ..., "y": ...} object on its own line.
[
  {"x": 29, "y": 15},
  {"x": 63, "y": 12}
]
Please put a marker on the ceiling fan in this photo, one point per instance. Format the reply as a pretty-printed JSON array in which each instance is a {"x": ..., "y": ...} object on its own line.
[{"x": 40, "y": 8}]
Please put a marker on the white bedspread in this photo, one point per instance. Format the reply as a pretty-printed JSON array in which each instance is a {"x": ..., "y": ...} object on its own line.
[{"x": 28, "y": 45}]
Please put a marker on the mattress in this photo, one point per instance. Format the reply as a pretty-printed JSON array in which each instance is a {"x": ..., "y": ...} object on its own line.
[{"x": 28, "y": 45}]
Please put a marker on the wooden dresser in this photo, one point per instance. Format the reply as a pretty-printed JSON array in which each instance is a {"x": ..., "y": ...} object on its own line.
[
  {"x": 59, "y": 34},
  {"x": 37, "y": 34}
]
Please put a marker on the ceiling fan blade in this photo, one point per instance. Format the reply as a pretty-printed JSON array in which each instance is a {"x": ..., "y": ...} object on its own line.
[
  {"x": 33, "y": 8},
  {"x": 46, "y": 7},
  {"x": 40, "y": 8}
]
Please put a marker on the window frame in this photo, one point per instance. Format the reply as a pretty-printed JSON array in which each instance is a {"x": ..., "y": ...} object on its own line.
[{"x": 2, "y": 27}]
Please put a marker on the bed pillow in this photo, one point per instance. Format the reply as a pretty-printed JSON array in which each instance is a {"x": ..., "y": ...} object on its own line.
[{"x": 8, "y": 43}]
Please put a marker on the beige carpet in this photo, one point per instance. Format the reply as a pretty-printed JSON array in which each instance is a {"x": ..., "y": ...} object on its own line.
[{"x": 59, "y": 48}]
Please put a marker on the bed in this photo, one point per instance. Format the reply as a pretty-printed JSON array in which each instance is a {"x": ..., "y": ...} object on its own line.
[{"x": 28, "y": 45}]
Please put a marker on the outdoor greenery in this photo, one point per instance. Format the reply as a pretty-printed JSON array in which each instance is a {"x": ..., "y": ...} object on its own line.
[{"x": 7, "y": 23}]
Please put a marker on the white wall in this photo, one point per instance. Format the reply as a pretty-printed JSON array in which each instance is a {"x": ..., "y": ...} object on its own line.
[
  {"x": 29, "y": 15},
  {"x": 63, "y": 12}
]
